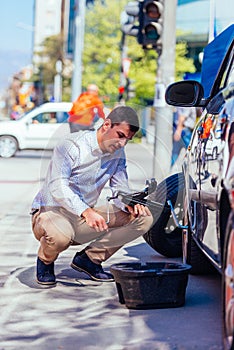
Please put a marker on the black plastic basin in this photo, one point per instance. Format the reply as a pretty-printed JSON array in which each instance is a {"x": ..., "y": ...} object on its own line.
[{"x": 151, "y": 285}]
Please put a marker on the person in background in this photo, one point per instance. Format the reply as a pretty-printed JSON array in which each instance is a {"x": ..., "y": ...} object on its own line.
[
  {"x": 86, "y": 110},
  {"x": 184, "y": 122},
  {"x": 64, "y": 212}
]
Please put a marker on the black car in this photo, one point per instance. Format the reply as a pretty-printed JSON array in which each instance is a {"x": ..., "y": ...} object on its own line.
[{"x": 208, "y": 171}]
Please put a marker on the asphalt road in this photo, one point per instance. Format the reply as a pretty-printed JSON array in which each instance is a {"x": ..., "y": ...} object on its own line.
[{"x": 79, "y": 313}]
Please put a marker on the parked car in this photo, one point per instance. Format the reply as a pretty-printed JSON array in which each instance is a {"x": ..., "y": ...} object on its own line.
[
  {"x": 39, "y": 129},
  {"x": 208, "y": 170}
]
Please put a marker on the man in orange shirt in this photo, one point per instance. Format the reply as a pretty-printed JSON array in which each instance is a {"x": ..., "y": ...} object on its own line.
[{"x": 86, "y": 110}]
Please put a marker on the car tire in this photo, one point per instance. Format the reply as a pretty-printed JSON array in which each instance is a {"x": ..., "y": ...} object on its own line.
[
  {"x": 192, "y": 255},
  {"x": 164, "y": 237},
  {"x": 8, "y": 146},
  {"x": 227, "y": 286}
]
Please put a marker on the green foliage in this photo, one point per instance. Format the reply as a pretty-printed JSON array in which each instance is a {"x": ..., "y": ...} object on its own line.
[
  {"x": 51, "y": 53},
  {"x": 101, "y": 56},
  {"x": 182, "y": 63}
]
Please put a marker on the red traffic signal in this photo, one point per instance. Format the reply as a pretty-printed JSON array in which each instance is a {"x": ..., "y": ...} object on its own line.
[
  {"x": 153, "y": 9},
  {"x": 121, "y": 89}
]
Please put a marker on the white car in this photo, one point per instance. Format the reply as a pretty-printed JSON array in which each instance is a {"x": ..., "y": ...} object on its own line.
[
  {"x": 213, "y": 145},
  {"x": 41, "y": 128}
]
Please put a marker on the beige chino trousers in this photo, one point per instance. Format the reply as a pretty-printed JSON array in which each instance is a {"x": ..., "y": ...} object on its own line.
[{"x": 56, "y": 229}]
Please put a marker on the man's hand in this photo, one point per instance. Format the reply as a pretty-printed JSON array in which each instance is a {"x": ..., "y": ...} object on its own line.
[
  {"x": 177, "y": 134},
  {"x": 138, "y": 210},
  {"x": 94, "y": 220}
]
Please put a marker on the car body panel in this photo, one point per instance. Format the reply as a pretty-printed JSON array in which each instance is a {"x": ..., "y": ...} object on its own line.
[
  {"x": 208, "y": 163},
  {"x": 208, "y": 173},
  {"x": 208, "y": 169}
]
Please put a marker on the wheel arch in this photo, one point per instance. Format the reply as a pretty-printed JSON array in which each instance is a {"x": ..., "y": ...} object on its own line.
[{"x": 13, "y": 136}]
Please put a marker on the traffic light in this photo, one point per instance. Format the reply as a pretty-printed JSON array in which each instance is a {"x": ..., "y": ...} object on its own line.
[
  {"x": 151, "y": 24},
  {"x": 121, "y": 93},
  {"x": 129, "y": 17}
]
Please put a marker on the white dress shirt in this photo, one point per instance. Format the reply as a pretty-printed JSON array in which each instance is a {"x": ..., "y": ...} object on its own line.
[{"x": 78, "y": 172}]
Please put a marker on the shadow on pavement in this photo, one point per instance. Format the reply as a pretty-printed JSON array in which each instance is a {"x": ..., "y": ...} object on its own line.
[{"x": 64, "y": 276}]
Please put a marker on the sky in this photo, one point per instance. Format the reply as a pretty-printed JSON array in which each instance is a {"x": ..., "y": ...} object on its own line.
[
  {"x": 195, "y": 16},
  {"x": 16, "y": 37},
  {"x": 16, "y": 29}
]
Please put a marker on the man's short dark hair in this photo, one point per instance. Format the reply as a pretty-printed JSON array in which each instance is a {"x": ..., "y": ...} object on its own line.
[{"x": 124, "y": 114}]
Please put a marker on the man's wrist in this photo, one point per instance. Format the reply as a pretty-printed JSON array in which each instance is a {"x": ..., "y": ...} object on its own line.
[{"x": 85, "y": 212}]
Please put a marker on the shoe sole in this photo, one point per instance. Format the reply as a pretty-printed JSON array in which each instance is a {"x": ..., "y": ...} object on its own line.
[
  {"x": 88, "y": 273},
  {"x": 46, "y": 283}
]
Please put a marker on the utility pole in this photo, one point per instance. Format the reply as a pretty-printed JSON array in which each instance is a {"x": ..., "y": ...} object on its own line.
[
  {"x": 58, "y": 82},
  {"x": 78, "y": 50},
  {"x": 165, "y": 76}
]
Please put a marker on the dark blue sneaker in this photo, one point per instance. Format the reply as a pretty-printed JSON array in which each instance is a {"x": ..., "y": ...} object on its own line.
[
  {"x": 45, "y": 273},
  {"x": 82, "y": 263}
]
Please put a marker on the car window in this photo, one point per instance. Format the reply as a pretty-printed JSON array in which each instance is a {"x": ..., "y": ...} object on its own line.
[
  {"x": 50, "y": 117},
  {"x": 61, "y": 117},
  {"x": 230, "y": 79}
]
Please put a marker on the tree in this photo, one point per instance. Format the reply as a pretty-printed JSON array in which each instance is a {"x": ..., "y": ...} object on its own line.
[
  {"x": 101, "y": 57},
  {"x": 183, "y": 64},
  {"x": 52, "y": 51}
]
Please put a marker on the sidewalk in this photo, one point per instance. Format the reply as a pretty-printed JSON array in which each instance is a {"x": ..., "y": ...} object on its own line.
[{"x": 78, "y": 314}]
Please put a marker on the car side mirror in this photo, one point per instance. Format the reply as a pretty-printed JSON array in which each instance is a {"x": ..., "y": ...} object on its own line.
[{"x": 185, "y": 94}]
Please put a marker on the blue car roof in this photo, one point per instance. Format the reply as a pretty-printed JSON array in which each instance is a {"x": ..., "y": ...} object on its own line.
[{"x": 214, "y": 54}]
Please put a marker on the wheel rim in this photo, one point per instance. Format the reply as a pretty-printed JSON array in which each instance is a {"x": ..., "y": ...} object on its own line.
[
  {"x": 179, "y": 214},
  {"x": 229, "y": 292},
  {"x": 8, "y": 147}
]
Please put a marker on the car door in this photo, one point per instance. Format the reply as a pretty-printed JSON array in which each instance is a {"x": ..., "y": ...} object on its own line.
[
  {"x": 207, "y": 162},
  {"x": 45, "y": 129}
]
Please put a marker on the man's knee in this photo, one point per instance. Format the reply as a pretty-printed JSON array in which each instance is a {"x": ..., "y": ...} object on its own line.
[
  {"x": 143, "y": 223},
  {"x": 55, "y": 231},
  {"x": 58, "y": 242}
]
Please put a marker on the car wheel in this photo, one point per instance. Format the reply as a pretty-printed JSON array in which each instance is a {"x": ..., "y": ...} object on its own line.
[
  {"x": 227, "y": 286},
  {"x": 8, "y": 146},
  {"x": 192, "y": 255},
  {"x": 164, "y": 237}
]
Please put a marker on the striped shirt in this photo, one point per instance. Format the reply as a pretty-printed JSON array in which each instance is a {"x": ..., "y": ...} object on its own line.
[{"x": 78, "y": 172}]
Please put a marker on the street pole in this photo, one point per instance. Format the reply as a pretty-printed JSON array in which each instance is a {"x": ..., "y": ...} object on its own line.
[
  {"x": 78, "y": 50},
  {"x": 212, "y": 24},
  {"x": 58, "y": 82},
  {"x": 123, "y": 50},
  {"x": 163, "y": 113}
]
